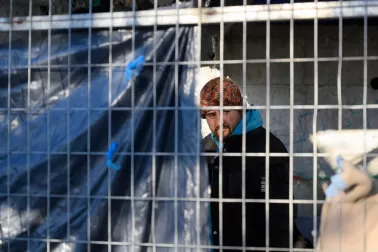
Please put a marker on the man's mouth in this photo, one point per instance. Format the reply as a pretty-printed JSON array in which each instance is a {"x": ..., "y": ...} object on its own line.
[{"x": 225, "y": 129}]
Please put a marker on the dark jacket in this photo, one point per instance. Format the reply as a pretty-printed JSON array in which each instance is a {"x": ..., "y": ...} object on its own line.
[{"x": 255, "y": 189}]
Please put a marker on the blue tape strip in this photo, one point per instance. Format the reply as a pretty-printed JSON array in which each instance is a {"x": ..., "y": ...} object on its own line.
[
  {"x": 112, "y": 165},
  {"x": 134, "y": 67},
  {"x": 110, "y": 155}
]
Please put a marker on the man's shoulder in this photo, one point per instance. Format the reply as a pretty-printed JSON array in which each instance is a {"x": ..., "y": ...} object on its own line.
[{"x": 258, "y": 136}]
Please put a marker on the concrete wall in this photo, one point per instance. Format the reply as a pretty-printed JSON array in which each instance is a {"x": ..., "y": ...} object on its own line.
[
  {"x": 328, "y": 44},
  {"x": 352, "y": 74}
]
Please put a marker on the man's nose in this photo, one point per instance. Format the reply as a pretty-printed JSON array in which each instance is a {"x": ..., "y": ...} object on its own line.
[{"x": 218, "y": 117}]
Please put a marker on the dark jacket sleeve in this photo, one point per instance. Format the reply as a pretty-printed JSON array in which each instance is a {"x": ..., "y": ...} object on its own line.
[{"x": 279, "y": 214}]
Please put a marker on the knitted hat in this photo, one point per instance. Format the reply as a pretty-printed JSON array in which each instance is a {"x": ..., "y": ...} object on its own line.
[{"x": 210, "y": 94}]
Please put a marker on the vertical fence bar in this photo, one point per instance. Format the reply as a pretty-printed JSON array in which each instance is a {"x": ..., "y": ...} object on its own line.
[
  {"x": 314, "y": 129},
  {"x": 176, "y": 128},
  {"x": 48, "y": 126},
  {"x": 267, "y": 145},
  {"x": 110, "y": 126},
  {"x": 28, "y": 110},
  {"x": 89, "y": 129},
  {"x": 153, "y": 228},
  {"x": 339, "y": 99},
  {"x": 364, "y": 110},
  {"x": 291, "y": 133},
  {"x": 132, "y": 158},
  {"x": 221, "y": 69},
  {"x": 244, "y": 126},
  {"x": 199, "y": 138},
  {"x": 339, "y": 69},
  {"x": 9, "y": 117},
  {"x": 68, "y": 113}
]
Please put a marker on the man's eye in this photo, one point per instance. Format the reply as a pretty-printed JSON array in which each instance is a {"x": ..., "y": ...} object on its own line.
[
  {"x": 226, "y": 111},
  {"x": 210, "y": 115}
]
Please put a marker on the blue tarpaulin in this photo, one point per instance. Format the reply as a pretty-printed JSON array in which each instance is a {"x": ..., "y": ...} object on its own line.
[{"x": 56, "y": 191}]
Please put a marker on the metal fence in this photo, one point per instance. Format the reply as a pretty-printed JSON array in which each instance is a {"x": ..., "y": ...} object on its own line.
[{"x": 177, "y": 17}]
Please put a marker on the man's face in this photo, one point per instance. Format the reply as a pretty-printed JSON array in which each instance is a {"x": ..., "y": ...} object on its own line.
[{"x": 231, "y": 118}]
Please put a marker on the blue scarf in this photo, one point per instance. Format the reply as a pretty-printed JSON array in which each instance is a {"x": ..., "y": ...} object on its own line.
[{"x": 253, "y": 121}]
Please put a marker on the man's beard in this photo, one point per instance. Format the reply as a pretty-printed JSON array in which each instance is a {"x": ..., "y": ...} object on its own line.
[{"x": 225, "y": 127}]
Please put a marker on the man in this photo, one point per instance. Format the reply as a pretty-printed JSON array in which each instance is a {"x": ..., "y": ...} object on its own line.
[{"x": 255, "y": 136}]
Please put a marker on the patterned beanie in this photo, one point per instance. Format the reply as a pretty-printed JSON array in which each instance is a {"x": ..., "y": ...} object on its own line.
[{"x": 210, "y": 94}]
